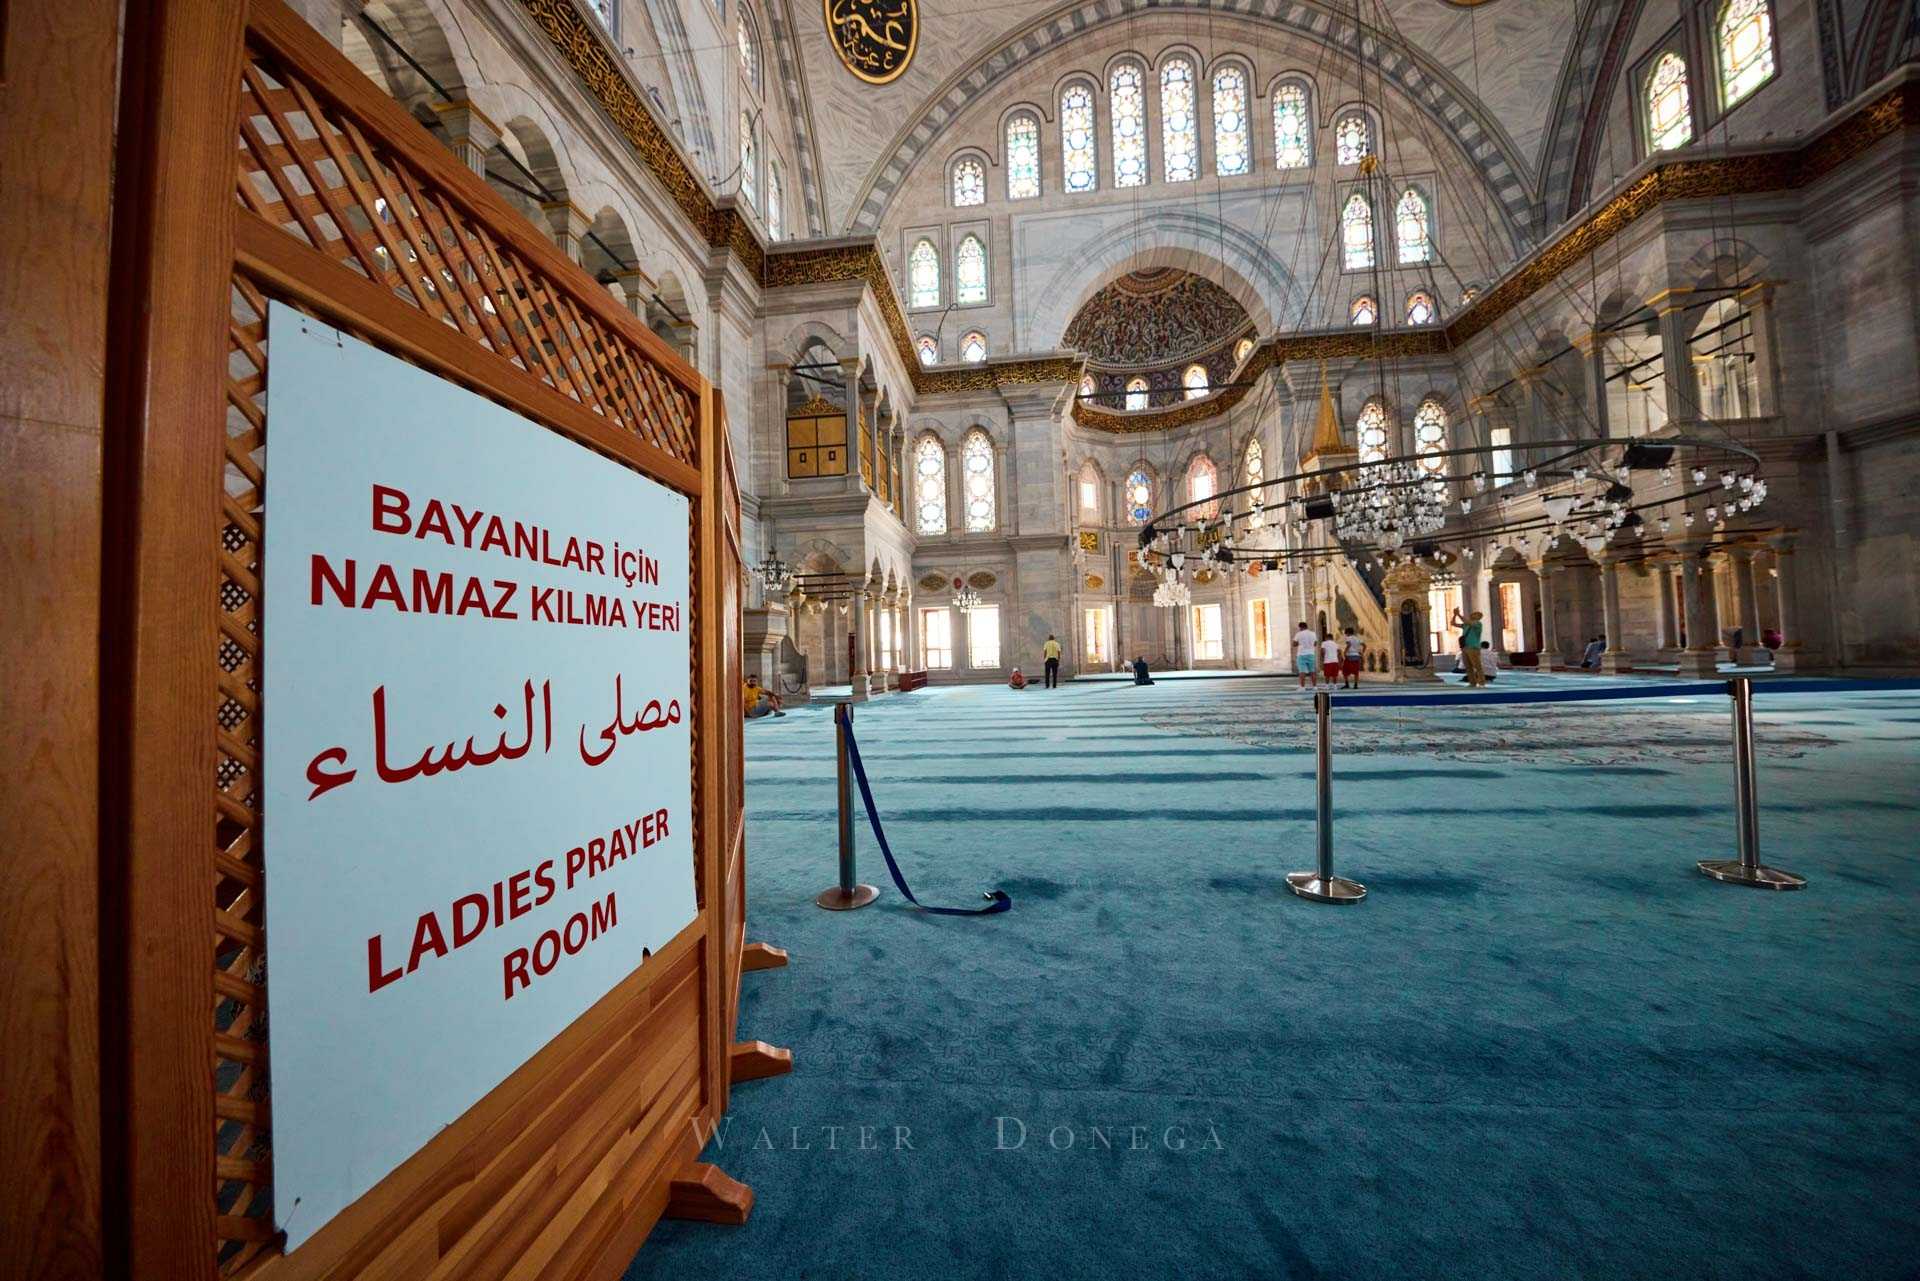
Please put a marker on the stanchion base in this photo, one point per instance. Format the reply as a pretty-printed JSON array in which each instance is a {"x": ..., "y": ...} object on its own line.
[
  {"x": 839, "y": 900},
  {"x": 1734, "y": 872},
  {"x": 1333, "y": 889}
]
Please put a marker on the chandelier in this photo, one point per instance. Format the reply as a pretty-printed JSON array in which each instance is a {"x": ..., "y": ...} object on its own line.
[
  {"x": 773, "y": 572},
  {"x": 1390, "y": 502},
  {"x": 966, "y": 600},
  {"x": 1172, "y": 593}
]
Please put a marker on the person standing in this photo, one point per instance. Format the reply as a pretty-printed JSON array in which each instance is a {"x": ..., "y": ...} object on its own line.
[
  {"x": 1470, "y": 652},
  {"x": 1354, "y": 656},
  {"x": 1304, "y": 645},
  {"x": 1329, "y": 659},
  {"x": 1051, "y": 652}
]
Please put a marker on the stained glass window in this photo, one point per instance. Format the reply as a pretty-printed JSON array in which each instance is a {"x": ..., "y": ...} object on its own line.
[
  {"x": 1023, "y": 157},
  {"x": 1231, "y": 145},
  {"x": 1087, "y": 387},
  {"x": 1356, "y": 233},
  {"x": 605, "y": 11},
  {"x": 930, "y": 486},
  {"x": 1364, "y": 311},
  {"x": 1253, "y": 470},
  {"x": 976, "y": 471},
  {"x": 1136, "y": 393},
  {"x": 774, "y": 226},
  {"x": 749, "y": 160},
  {"x": 1745, "y": 33},
  {"x": 1139, "y": 497},
  {"x": 1089, "y": 492},
  {"x": 1292, "y": 132},
  {"x": 973, "y": 348},
  {"x": 749, "y": 50},
  {"x": 1203, "y": 482},
  {"x": 1127, "y": 100},
  {"x": 1179, "y": 143},
  {"x": 1242, "y": 349},
  {"x": 1079, "y": 162},
  {"x": 1420, "y": 308},
  {"x": 1413, "y": 227},
  {"x": 923, "y": 275},
  {"x": 969, "y": 182},
  {"x": 1195, "y": 381},
  {"x": 929, "y": 348},
  {"x": 1353, "y": 139},
  {"x": 970, "y": 271},
  {"x": 1373, "y": 432},
  {"x": 1669, "y": 114},
  {"x": 1430, "y": 436}
]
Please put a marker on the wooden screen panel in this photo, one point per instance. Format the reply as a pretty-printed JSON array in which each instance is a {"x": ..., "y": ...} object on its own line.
[
  {"x": 866, "y": 451},
  {"x": 817, "y": 446}
]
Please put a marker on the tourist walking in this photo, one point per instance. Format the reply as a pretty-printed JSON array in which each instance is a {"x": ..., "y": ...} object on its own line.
[
  {"x": 1329, "y": 659},
  {"x": 1304, "y": 644},
  {"x": 1051, "y": 652},
  {"x": 1354, "y": 656}
]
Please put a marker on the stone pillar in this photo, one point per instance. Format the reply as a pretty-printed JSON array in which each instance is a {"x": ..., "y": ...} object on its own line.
[
  {"x": 1758, "y": 300},
  {"x": 857, "y": 622},
  {"x": 1549, "y": 634},
  {"x": 1669, "y": 638},
  {"x": 1683, "y": 395},
  {"x": 1793, "y": 654},
  {"x": 1701, "y": 657},
  {"x": 569, "y": 227},
  {"x": 470, "y": 134},
  {"x": 850, "y": 379},
  {"x": 1496, "y": 619},
  {"x": 636, "y": 289},
  {"x": 1614, "y": 657},
  {"x": 1751, "y": 652},
  {"x": 1592, "y": 347}
]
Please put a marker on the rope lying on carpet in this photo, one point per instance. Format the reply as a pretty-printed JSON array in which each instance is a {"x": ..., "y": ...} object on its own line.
[
  {"x": 1768, "y": 686},
  {"x": 998, "y": 900}
]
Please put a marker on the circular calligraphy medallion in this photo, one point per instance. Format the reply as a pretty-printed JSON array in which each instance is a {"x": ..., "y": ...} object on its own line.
[{"x": 874, "y": 38}]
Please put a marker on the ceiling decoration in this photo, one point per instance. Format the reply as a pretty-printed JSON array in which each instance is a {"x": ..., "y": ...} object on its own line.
[
  {"x": 1155, "y": 318},
  {"x": 874, "y": 38}
]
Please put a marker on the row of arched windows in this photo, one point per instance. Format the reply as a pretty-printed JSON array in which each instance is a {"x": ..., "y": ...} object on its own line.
[
  {"x": 973, "y": 348},
  {"x": 1743, "y": 49},
  {"x": 1373, "y": 431},
  {"x": 1420, "y": 310},
  {"x": 977, "y": 496},
  {"x": 969, "y": 273},
  {"x": 1230, "y": 115},
  {"x": 1412, "y": 230}
]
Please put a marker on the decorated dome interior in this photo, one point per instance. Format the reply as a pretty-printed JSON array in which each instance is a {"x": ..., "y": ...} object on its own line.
[{"x": 1147, "y": 319}]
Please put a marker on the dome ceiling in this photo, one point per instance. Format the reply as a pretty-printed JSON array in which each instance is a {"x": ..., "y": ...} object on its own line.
[{"x": 1147, "y": 319}]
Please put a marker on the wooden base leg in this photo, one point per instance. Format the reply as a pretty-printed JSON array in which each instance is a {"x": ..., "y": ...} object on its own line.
[
  {"x": 705, "y": 1195},
  {"x": 752, "y": 1060},
  {"x": 762, "y": 956}
]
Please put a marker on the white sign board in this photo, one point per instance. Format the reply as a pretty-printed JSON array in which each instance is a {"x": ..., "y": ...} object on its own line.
[{"x": 478, "y": 758}]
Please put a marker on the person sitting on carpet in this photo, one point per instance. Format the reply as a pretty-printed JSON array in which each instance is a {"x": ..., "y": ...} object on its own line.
[
  {"x": 1304, "y": 644},
  {"x": 1018, "y": 681},
  {"x": 1140, "y": 676},
  {"x": 759, "y": 702},
  {"x": 1486, "y": 660},
  {"x": 1595, "y": 647}
]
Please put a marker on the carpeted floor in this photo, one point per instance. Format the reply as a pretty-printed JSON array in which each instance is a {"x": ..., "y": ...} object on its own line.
[{"x": 1544, "y": 1046}]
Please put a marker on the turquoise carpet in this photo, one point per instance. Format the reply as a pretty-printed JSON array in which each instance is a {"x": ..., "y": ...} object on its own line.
[{"x": 1545, "y": 1046}]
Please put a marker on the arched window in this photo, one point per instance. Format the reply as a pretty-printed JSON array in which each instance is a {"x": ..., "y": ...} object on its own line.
[
  {"x": 1023, "y": 157},
  {"x": 1139, "y": 497},
  {"x": 923, "y": 275},
  {"x": 743, "y": 34},
  {"x": 1413, "y": 228},
  {"x": 1079, "y": 161},
  {"x": 969, "y": 182},
  {"x": 1087, "y": 386},
  {"x": 930, "y": 486},
  {"x": 1292, "y": 132},
  {"x": 929, "y": 348},
  {"x": 970, "y": 271},
  {"x": 1253, "y": 470},
  {"x": 1430, "y": 437},
  {"x": 1669, "y": 108},
  {"x": 976, "y": 472},
  {"x": 1364, "y": 311},
  {"x": 1744, "y": 34},
  {"x": 749, "y": 161},
  {"x": 1372, "y": 432},
  {"x": 608, "y": 11},
  {"x": 1419, "y": 308},
  {"x": 774, "y": 215},
  {"x": 1136, "y": 394},
  {"x": 1195, "y": 381},
  {"x": 1179, "y": 143},
  {"x": 1352, "y": 139},
  {"x": 1089, "y": 494},
  {"x": 1203, "y": 482},
  {"x": 1232, "y": 147},
  {"x": 1242, "y": 349},
  {"x": 973, "y": 348},
  {"x": 1356, "y": 233},
  {"x": 1127, "y": 100}
]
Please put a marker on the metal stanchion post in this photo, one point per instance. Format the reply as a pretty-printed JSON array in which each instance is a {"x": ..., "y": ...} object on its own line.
[
  {"x": 1747, "y": 869},
  {"x": 848, "y": 894},
  {"x": 1321, "y": 885}
]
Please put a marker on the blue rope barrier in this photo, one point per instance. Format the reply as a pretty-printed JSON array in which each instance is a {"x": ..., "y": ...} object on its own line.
[
  {"x": 998, "y": 899},
  {"x": 1610, "y": 693},
  {"x": 1816, "y": 685}
]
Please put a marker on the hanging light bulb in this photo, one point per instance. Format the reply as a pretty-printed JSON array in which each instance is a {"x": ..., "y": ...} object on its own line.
[
  {"x": 1759, "y": 491},
  {"x": 1699, "y": 475},
  {"x": 1727, "y": 480},
  {"x": 1666, "y": 474},
  {"x": 1746, "y": 483},
  {"x": 1666, "y": 523},
  {"x": 1466, "y": 505},
  {"x": 1532, "y": 477},
  {"x": 1689, "y": 520},
  {"x": 1579, "y": 471},
  {"x": 1713, "y": 514},
  {"x": 1479, "y": 482},
  {"x": 1625, "y": 474}
]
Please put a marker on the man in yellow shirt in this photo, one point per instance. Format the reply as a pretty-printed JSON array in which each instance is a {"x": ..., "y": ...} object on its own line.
[
  {"x": 1051, "y": 652},
  {"x": 759, "y": 701}
]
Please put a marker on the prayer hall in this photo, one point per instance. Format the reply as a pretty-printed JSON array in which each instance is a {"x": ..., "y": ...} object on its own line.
[{"x": 748, "y": 640}]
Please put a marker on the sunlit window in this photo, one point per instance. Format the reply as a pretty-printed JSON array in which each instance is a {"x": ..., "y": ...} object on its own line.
[
  {"x": 970, "y": 271},
  {"x": 1292, "y": 132},
  {"x": 930, "y": 486},
  {"x": 749, "y": 47},
  {"x": 1372, "y": 432},
  {"x": 1179, "y": 143},
  {"x": 1430, "y": 436},
  {"x": 1356, "y": 233},
  {"x": 1352, "y": 139},
  {"x": 969, "y": 182},
  {"x": 775, "y": 227},
  {"x": 1139, "y": 497},
  {"x": 1023, "y": 157},
  {"x": 1195, "y": 381},
  {"x": 1412, "y": 228},
  {"x": 936, "y": 638},
  {"x": 1420, "y": 308},
  {"x": 1203, "y": 482},
  {"x": 976, "y": 472},
  {"x": 1089, "y": 493},
  {"x": 929, "y": 349},
  {"x": 1364, "y": 311},
  {"x": 1230, "y": 138},
  {"x": 749, "y": 160},
  {"x": 973, "y": 348},
  {"x": 1079, "y": 163},
  {"x": 1745, "y": 37},
  {"x": 1253, "y": 470},
  {"x": 1136, "y": 393},
  {"x": 1669, "y": 113},
  {"x": 1087, "y": 386},
  {"x": 923, "y": 275},
  {"x": 1242, "y": 349},
  {"x": 1128, "y": 102}
]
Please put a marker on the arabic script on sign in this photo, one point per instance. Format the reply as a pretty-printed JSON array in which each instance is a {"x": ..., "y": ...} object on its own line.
[{"x": 874, "y": 38}]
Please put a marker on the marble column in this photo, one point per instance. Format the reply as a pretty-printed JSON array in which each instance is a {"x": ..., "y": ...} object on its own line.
[
  {"x": 1683, "y": 396},
  {"x": 569, "y": 227},
  {"x": 1614, "y": 657},
  {"x": 1550, "y": 654},
  {"x": 636, "y": 289},
  {"x": 470, "y": 134},
  {"x": 1751, "y": 651},
  {"x": 1702, "y": 654},
  {"x": 857, "y": 621},
  {"x": 1496, "y": 628},
  {"x": 1669, "y": 637},
  {"x": 1792, "y": 653}
]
